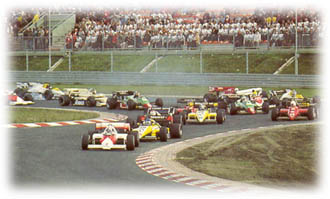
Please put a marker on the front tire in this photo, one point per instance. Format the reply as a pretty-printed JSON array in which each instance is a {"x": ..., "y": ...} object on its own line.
[
  {"x": 265, "y": 107},
  {"x": 84, "y": 142},
  {"x": 311, "y": 114},
  {"x": 111, "y": 103},
  {"x": 221, "y": 116},
  {"x": 275, "y": 114},
  {"x": 64, "y": 100},
  {"x": 163, "y": 134},
  {"x": 130, "y": 145},
  {"x": 176, "y": 130}
]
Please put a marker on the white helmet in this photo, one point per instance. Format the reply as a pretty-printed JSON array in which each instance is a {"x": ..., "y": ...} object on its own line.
[{"x": 293, "y": 103}]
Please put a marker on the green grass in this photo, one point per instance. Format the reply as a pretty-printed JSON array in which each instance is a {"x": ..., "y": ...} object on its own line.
[
  {"x": 32, "y": 115},
  {"x": 285, "y": 157},
  {"x": 170, "y": 90},
  {"x": 266, "y": 63},
  {"x": 35, "y": 63},
  {"x": 308, "y": 64}
]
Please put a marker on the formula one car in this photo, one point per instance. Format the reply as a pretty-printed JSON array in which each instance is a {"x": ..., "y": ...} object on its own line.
[
  {"x": 108, "y": 138},
  {"x": 130, "y": 100},
  {"x": 204, "y": 113},
  {"x": 163, "y": 116},
  {"x": 38, "y": 91},
  {"x": 13, "y": 100},
  {"x": 251, "y": 106},
  {"x": 82, "y": 97},
  {"x": 228, "y": 95},
  {"x": 149, "y": 129},
  {"x": 293, "y": 112}
]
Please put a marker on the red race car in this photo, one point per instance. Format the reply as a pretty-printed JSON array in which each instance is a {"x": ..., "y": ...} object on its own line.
[{"x": 294, "y": 112}]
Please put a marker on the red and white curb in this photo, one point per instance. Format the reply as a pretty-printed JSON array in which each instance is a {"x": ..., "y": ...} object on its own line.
[
  {"x": 148, "y": 162},
  {"x": 65, "y": 123}
]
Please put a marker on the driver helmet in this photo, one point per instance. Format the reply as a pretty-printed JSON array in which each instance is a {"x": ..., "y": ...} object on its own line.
[
  {"x": 109, "y": 130},
  {"x": 92, "y": 90},
  {"x": 254, "y": 93},
  {"x": 147, "y": 122},
  {"x": 236, "y": 89},
  {"x": 293, "y": 103},
  {"x": 153, "y": 112}
]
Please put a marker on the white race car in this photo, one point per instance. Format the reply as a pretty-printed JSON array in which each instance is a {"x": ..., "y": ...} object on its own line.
[{"x": 106, "y": 136}]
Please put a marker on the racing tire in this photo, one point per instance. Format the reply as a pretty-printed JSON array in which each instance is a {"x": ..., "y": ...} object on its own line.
[
  {"x": 275, "y": 100},
  {"x": 131, "y": 122},
  {"x": 264, "y": 94},
  {"x": 159, "y": 102},
  {"x": 84, "y": 142},
  {"x": 163, "y": 134},
  {"x": 265, "y": 107},
  {"x": 311, "y": 113},
  {"x": 90, "y": 102},
  {"x": 208, "y": 97},
  {"x": 176, "y": 130},
  {"x": 221, "y": 116},
  {"x": 112, "y": 103},
  {"x": 177, "y": 119},
  {"x": 233, "y": 109},
  {"x": 28, "y": 97},
  {"x": 64, "y": 100},
  {"x": 275, "y": 114},
  {"x": 130, "y": 144},
  {"x": 184, "y": 117},
  {"x": 48, "y": 94},
  {"x": 222, "y": 105},
  {"x": 136, "y": 139},
  {"x": 131, "y": 105}
]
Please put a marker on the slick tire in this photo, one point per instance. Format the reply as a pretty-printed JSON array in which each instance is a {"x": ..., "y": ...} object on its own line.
[
  {"x": 176, "y": 130},
  {"x": 311, "y": 113},
  {"x": 275, "y": 114},
  {"x": 130, "y": 144},
  {"x": 111, "y": 103},
  {"x": 64, "y": 100},
  {"x": 177, "y": 119},
  {"x": 84, "y": 142},
  {"x": 221, "y": 116},
  {"x": 131, "y": 105},
  {"x": 163, "y": 134},
  {"x": 265, "y": 107},
  {"x": 90, "y": 102}
]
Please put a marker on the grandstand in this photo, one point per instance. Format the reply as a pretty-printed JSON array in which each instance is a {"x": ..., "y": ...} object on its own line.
[{"x": 108, "y": 29}]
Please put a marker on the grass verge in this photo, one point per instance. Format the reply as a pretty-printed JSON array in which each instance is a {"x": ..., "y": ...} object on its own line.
[
  {"x": 32, "y": 115},
  {"x": 280, "y": 157}
]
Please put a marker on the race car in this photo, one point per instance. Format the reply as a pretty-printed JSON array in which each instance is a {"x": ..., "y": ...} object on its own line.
[
  {"x": 227, "y": 95},
  {"x": 164, "y": 116},
  {"x": 149, "y": 129},
  {"x": 130, "y": 100},
  {"x": 108, "y": 138},
  {"x": 38, "y": 91},
  {"x": 14, "y": 100},
  {"x": 205, "y": 113},
  {"x": 82, "y": 97},
  {"x": 249, "y": 105},
  {"x": 294, "y": 112}
]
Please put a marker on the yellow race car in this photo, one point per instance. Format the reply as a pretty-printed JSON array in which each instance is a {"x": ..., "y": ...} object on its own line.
[
  {"x": 149, "y": 129},
  {"x": 205, "y": 113}
]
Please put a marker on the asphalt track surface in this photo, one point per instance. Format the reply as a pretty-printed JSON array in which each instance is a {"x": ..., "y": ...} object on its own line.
[{"x": 52, "y": 156}]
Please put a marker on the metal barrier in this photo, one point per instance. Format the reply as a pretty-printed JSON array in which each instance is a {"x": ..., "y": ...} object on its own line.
[{"x": 191, "y": 79}]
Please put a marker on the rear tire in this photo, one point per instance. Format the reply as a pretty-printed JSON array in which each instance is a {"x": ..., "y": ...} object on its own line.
[
  {"x": 159, "y": 102},
  {"x": 163, "y": 134},
  {"x": 265, "y": 107},
  {"x": 275, "y": 114},
  {"x": 233, "y": 109},
  {"x": 177, "y": 119},
  {"x": 112, "y": 103},
  {"x": 136, "y": 139},
  {"x": 48, "y": 94},
  {"x": 91, "y": 101},
  {"x": 221, "y": 116},
  {"x": 131, "y": 105},
  {"x": 176, "y": 130},
  {"x": 311, "y": 114},
  {"x": 64, "y": 100}
]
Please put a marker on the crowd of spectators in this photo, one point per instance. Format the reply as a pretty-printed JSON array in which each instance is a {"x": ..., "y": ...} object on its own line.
[{"x": 182, "y": 28}]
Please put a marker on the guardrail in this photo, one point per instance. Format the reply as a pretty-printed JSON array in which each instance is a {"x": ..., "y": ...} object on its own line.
[{"x": 191, "y": 79}]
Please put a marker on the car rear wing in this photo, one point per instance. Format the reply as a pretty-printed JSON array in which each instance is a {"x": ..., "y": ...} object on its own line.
[
  {"x": 187, "y": 100},
  {"x": 225, "y": 89},
  {"x": 119, "y": 126}
]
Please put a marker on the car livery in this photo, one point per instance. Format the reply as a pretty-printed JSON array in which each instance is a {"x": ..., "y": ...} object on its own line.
[
  {"x": 82, "y": 97},
  {"x": 106, "y": 137},
  {"x": 294, "y": 112},
  {"x": 130, "y": 100}
]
